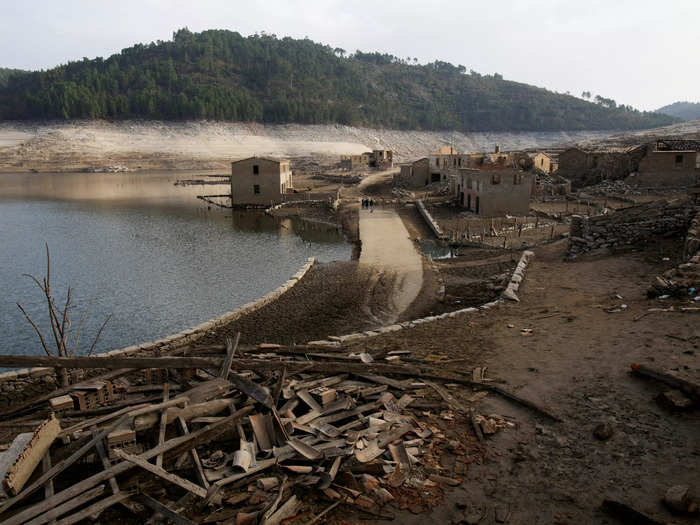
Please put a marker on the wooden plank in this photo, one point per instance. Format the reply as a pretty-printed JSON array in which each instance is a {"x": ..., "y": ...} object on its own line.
[
  {"x": 230, "y": 352},
  {"x": 106, "y": 464},
  {"x": 69, "y": 505},
  {"x": 157, "y": 506},
  {"x": 163, "y": 425},
  {"x": 688, "y": 388},
  {"x": 176, "y": 445},
  {"x": 182, "y": 424},
  {"x": 48, "y": 488},
  {"x": 95, "y": 508},
  {"x": 97, "y": 421},
  {"x": 61, "y": 466},
  {"x": 163, "y": 474},
  {"x": 109, "y": 362},
  {"x": 29, "y": 458}
]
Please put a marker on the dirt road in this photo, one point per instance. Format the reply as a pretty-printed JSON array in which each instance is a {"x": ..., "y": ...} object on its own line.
[{"x": 386, "y": 245}]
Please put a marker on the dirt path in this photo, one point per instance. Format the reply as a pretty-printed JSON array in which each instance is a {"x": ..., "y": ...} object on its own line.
[
  {"x": 386, "y": 245},
  {"x": 376, "y": 179}
]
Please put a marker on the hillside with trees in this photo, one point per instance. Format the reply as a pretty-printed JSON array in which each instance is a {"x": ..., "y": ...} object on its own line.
[
  {"x": 5, "y": 74},
  {"x": 682, "y": 110},
  {"x": 221, "y": 75}
]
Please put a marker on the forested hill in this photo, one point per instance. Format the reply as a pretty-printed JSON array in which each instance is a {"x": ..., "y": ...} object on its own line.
[
  {"x": 221, "y": 75},
  {"x": 682, "y": 110},
  {"x": 5, "y": 74}
]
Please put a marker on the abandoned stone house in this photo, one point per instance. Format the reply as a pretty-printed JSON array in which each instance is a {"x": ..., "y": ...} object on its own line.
[
  {"x": 666, "y": 162},
  {"x": 543, "y": 162},
  {"x": 378, "y": 158},
  {"x": 416, "y": 174},
  {"x": 492, "y": 192},
  {"x": 669, "y": 162},
  {"x": 260, "y": 181},
  {"x": 584, "y": 166},
  {"x": 349, "y": 162}
]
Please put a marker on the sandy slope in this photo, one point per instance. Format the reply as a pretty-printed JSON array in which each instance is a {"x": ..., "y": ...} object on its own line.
[{"x": 201, "y": 145}]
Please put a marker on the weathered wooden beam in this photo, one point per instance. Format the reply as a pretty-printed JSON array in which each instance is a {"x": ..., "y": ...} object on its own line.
[
  {"x": 95, "y": 508},
  {"x": 106, "y": 464},
  {"x": 30, "y": 456},
  {"x": 61, "y": 466},
  {"x": 685, "y": 386},
  {"x": 230, "y": 352},
  {"x": 162, "y": 473},
  {"x": 48, "y": 488},
  {"x": 182, "y": 424},
  {"x": 69, "y": 505},
  {"x": 157, "y": 506},
  {"x": 173, "y": 446},
  {"x": 110, "y": 362},
  {"x": 163, "y": 425}
]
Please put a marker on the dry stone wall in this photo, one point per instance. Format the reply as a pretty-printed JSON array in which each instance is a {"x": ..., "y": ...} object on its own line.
[{"x": 635, "y": 225}]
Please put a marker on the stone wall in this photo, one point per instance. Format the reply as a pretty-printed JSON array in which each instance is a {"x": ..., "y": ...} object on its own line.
[
  {"x": 28, "y": 382},
  {"x": 634, "y": 225},
  {"x": 432, "y": 223}
]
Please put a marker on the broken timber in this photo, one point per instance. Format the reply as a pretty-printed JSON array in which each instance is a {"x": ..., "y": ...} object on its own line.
[
  {"x": 173, "y": 446},
  {"x": 262, "y": 365}
]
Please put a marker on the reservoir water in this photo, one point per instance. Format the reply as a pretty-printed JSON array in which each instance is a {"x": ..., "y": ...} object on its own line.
[{"x": 142, "y": 249}]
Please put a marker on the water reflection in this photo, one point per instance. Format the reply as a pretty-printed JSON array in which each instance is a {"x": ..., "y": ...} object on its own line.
[{"x": 142, "y": 248}]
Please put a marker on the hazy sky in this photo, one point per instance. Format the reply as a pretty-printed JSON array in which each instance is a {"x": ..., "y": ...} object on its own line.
[{"x": 639, "y": 52}]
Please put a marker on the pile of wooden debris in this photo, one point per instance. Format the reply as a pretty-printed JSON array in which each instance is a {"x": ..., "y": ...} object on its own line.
[{"x": 293, "y": 432}]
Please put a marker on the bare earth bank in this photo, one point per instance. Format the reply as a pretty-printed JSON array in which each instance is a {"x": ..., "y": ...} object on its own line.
[{"x": 82, "y": 145}]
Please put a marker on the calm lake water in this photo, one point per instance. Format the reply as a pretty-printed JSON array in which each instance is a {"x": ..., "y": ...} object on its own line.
[{"x": 141, "y": 248}]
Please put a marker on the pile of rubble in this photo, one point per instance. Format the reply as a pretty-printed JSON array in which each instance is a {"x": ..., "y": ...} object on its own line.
[
  {"x": 634, "y": 225},
  {"x": 292, "y": 433},
  {"x": 611, "y": 187}
]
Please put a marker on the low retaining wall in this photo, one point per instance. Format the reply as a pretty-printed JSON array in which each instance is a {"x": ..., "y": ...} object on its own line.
[
  {"x": 19, "y": 379},
  {"x": 637, "y": 224},
  {"x": 432, "y": 223},
  {"x": 514, "y": 285}
]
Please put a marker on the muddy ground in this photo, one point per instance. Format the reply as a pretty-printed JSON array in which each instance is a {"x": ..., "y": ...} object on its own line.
[
  {"x": 576, "y": 363},
  {"x": 333, "y": 298}
]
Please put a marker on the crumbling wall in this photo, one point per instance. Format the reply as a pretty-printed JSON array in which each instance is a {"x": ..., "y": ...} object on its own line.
[{"x": 634, "y": 225}]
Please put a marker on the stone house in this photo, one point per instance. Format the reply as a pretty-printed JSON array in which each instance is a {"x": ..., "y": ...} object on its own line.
[
  {"x": 381, "y": 158},
  {"x": 260, "y": 181},
  {"x": 543, "y": 162},
  {"x": 350, "y": 162},
  {"x": 415, "y": 174},
  {"x": 669, "y": 162},
  {"x": 584, "y": 166},
  {"x": 492, "y": 192},
  {"x": 378, "y": 158}
]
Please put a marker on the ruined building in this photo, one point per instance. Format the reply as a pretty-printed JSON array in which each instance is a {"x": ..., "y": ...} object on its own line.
[{"x": 260, "y": 181}]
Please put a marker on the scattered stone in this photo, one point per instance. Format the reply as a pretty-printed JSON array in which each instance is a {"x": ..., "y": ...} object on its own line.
[
  {"x": 675, "y": 400},
  {"x": 603, "y": 431},
  {"x": 677, "y": 499}
]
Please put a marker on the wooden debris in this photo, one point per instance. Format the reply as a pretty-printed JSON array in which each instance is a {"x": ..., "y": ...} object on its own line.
[
  {"x": 690, "y": 389},
  {"x": 30, "y": 455},
  {"x": 161, "y": 473}
]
